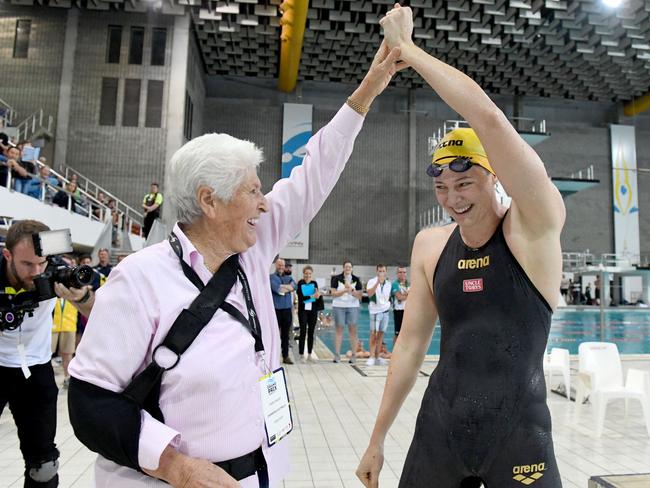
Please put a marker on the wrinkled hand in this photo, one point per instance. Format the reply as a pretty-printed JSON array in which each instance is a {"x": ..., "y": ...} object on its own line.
[
  {"x": 182, "y": 471},
  {"x": 370, "y": 466},
  {"x": 383, "y": 68},
  {"x": 71, "y": 294},
  {"x": 398, "y": 26},
  {"x": 199, "y": 473}
]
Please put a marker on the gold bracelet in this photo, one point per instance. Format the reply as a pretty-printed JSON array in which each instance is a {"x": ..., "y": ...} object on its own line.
[{"x": 357, "y": 107}]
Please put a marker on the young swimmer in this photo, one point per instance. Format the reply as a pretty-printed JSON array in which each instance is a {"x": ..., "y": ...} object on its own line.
[{"x": 492, "y": 278}]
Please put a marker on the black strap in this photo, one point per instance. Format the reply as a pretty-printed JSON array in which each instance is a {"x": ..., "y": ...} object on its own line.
[
  {"x": 182, "y": 333},
  {"x": 252, "y": 324},
  {"x": 144, "y": 389},
  {"x": 247, "y": 465}
]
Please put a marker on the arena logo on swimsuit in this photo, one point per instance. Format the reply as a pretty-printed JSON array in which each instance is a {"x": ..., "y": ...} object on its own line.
[
  {"x": 535, "y": 471},
  {"x": 483, "y": 262}
]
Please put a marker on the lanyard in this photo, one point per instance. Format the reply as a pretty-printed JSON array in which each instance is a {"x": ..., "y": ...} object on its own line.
[{"x": 252, "y": 324}]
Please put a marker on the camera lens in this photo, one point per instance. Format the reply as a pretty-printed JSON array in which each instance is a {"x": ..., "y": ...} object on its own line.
[
  {"x": 83, "y": 275},
  {"x": 74, "y": 277}
]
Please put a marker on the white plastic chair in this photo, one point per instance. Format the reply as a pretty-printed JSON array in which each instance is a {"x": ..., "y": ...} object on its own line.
[
  {"x": 559, "y": 361},
  {"x": 600, "y": 377}
]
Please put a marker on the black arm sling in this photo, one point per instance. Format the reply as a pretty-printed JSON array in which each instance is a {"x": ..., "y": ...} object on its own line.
[{"x": 109, "y": 423}]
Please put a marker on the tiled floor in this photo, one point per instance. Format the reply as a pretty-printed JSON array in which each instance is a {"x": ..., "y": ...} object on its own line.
[{"x": 334, "y": 408}]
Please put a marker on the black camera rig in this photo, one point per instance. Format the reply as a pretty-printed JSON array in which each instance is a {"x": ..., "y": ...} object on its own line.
[{"x": 14, "y": 306}]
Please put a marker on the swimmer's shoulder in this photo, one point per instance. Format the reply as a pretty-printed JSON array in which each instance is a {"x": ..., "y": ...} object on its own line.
[{"x": 428, "y": 246}]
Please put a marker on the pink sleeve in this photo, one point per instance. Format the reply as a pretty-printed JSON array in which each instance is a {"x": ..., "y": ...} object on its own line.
[
  {"x": 296, "y": 200},
  {"x": 154, "y": 438},
  {"x": 115, "y": 348}
]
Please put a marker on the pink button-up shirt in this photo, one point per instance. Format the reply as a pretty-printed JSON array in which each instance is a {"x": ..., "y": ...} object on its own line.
[{"x": 211, "y": 400}]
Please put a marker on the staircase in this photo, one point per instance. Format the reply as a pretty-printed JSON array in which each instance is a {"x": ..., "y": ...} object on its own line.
[{"x": 38, "y": 125}]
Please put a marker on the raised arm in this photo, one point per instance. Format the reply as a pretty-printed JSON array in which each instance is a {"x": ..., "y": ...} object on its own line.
[
  {"x": 518, "y": 167},
  {"x": 419, "y": 320},
  {"x": 294, "y": 201}
]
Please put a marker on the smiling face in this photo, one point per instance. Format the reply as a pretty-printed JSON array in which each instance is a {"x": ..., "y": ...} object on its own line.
[
  {"x": 467, "y": 197},
  {"x": 238, "y": 218},
  {"x": 306, "y": 275}
]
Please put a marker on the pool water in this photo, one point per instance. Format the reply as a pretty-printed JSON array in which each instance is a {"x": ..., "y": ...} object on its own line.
[{"x": 628, "y": 329}]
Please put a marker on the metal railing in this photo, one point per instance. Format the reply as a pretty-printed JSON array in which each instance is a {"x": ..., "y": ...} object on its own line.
[
  {"x": 131, "y": 215},
  {"x": 90, "y": 206},
  {"x": 7, "y": 113},
  {"x": 526, "y": 124},
  {"x": 581, "y": 260},
  {"x": 522, "y": 124},
  {"x": 38, "y": 120},
  {"x": 433, "y": 217},
  {"x": 47, "y": 191},
  {"x": 584, "y": 174}
]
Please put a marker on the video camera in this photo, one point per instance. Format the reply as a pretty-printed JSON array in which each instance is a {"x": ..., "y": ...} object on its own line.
[{"x": 48, "y": 244}]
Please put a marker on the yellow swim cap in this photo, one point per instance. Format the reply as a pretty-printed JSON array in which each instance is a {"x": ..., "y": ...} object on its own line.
[{"x": 461, "y": 143}]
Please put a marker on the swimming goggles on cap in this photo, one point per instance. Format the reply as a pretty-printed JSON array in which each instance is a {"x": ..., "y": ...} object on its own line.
[{"x": 459, "y": 165}]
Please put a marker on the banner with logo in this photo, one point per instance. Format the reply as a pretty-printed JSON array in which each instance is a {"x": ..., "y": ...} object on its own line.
[
  {"x": 625, "y": 192},
  {"x": 296, "y": 131}
]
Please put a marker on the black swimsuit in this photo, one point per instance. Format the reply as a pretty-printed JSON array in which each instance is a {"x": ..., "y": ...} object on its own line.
[{"x": 484, "y": 415}]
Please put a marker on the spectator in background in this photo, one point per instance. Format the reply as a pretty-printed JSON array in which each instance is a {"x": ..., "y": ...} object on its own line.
[
  {"x": 68, "y": 199},
  {"x": 38, "y": 185},
  {"x": 97, "y": 209},
  {"x": 399, "y": 293},
  {"x": 151, "y": 205},
  {"x": 21, "y": 171},
  {"x": 63, "y": 198},
  {"x": 4, "y": 165},
  {"x": 281, "y": 287},
  {"x": 86, "y": 260},
  {"x": 115, "y": 219},
  {"x": 346, "y": 290},
  {"x": 104, "y": 267},
  {"x": 308, "y": 294},
  {"x": 64, "y": 329},
  {"x": 379, "y": 292}
]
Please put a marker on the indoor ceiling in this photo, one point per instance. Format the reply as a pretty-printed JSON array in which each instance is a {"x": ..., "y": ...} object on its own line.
[{"x": 576, "y": 49}]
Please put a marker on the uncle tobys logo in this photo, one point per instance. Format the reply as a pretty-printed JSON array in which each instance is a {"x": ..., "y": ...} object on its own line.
[{"x": 472, "y": 286}]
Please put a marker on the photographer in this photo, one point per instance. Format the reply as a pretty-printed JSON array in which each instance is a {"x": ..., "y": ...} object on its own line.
[{"x": 26, "y": 373}]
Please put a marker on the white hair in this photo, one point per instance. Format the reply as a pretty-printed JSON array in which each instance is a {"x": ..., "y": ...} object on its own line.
[{"x": 218, "y": 161}]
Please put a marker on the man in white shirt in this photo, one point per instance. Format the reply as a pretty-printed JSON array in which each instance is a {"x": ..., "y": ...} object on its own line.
[
  {"x": 379, "y": 292},
  {"x": 26, "y": 373},
  {"x": 347, "y": 290}
]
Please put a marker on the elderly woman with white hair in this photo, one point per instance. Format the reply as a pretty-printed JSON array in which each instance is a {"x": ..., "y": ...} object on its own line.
[{"x": 204, "y": 414}]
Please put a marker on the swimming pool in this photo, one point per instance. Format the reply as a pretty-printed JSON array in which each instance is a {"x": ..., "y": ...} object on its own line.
[{"x": 629, "y": 329}]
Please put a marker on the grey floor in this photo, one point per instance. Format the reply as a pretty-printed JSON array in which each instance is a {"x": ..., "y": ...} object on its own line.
[{"x": 334, "y": 408}]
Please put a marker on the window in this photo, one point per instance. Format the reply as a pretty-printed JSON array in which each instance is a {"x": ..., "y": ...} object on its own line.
[
  {"x": 131, "y": 106},
  {"x": 135, "y": 45},
  {"x": 108, "y": 107},
  {"x": 21, "y": 41},
  {"x": 154, "y": 103},
  {"x": 158, "y": 44},
  {"x": 189, "y": 114},
  {"x": 114, "y": 44}
]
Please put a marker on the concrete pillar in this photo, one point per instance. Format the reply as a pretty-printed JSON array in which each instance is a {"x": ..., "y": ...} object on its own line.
[
  {"x": 65, "y": 88},
  {"x": 176, "y": 92},
  {"x": 413, "y": 167},
  {"x": 646, "y": 287}
]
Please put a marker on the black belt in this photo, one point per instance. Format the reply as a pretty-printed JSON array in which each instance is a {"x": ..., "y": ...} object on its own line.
[{"x": 247, "y": 465}]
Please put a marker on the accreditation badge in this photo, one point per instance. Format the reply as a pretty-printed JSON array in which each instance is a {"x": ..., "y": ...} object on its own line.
[{"x": 275, "y": 405}]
